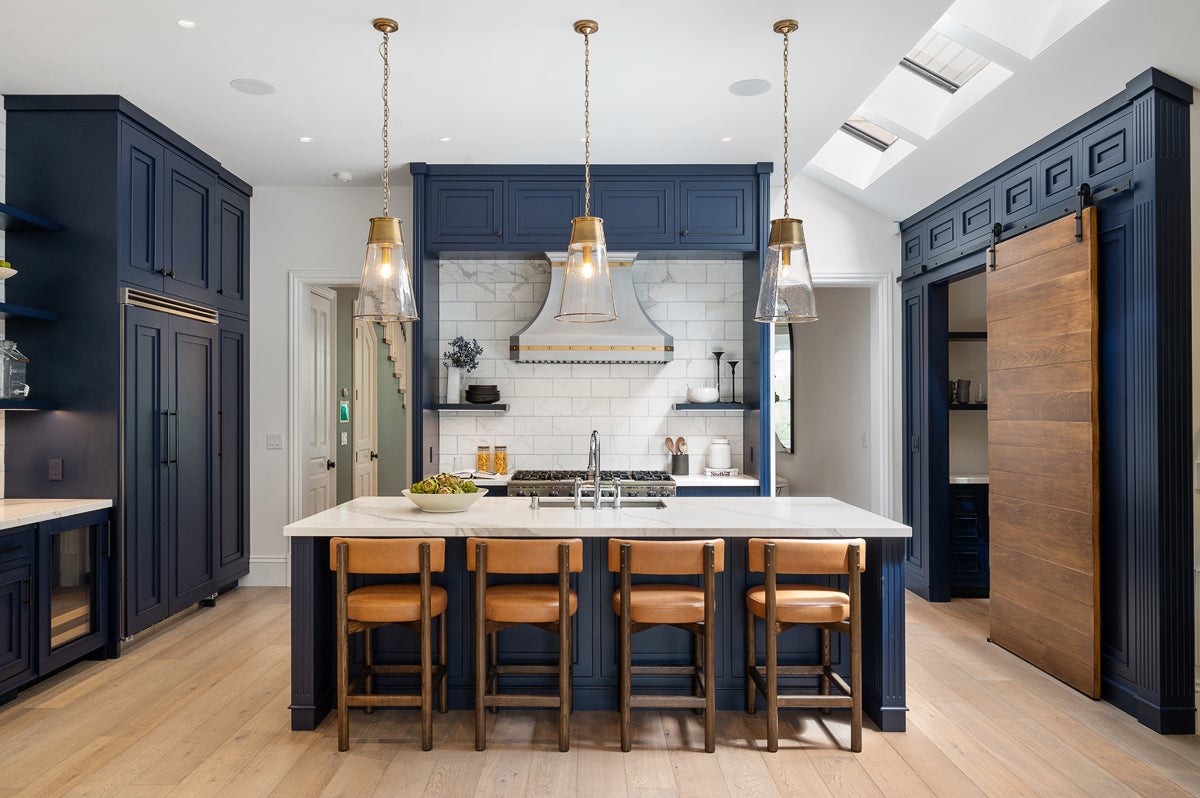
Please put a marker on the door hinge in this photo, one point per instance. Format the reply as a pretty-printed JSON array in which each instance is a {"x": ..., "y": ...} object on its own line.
[{"x": 915, "y": 443}]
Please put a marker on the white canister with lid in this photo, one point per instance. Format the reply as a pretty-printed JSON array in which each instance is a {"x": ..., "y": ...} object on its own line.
[{"x": 720, "y": 455}]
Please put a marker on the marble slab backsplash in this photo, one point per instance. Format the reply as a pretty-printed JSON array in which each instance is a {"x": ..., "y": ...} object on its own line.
[{"x": 554, "y": 407}]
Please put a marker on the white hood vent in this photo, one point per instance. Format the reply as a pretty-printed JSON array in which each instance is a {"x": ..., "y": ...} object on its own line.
[{"x": 631, "y": 338}]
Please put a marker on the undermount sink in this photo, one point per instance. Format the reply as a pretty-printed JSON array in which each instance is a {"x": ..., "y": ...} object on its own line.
[{"x": 566, "y": 501}]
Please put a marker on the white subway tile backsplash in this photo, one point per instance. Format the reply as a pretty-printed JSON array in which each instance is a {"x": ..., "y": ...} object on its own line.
[{"x": 554, "y": 407}]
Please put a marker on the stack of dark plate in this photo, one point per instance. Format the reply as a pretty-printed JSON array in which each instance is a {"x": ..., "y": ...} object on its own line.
[{"x": 483, "y": 394}]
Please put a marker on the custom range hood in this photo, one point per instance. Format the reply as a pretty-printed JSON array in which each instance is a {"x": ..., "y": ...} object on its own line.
[{"x": 631, "y": 338}]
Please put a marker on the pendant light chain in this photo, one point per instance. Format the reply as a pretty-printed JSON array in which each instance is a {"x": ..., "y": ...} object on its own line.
[
  {"x": 387, "y": 112},
  {"x": 785, "y": 125},
  {"x": 587, "y": 127}
]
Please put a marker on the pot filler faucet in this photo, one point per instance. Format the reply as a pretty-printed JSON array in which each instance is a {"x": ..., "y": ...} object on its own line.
[{"x": 593, "y": 471}]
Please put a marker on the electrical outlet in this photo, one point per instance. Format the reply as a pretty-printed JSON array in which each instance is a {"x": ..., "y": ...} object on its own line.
[
  {"x": 274, "y": 440},
  {"x": 55, "y": 469}
]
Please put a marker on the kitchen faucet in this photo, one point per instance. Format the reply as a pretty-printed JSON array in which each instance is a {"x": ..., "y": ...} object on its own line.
[
  {"x": 593, "y": 473},
  {"x": 593, "y": 465}
]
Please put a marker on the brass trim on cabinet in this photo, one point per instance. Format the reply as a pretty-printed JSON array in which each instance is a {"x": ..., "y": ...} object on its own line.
[
  {"x": 176, "y": 307},
  {"x": 588, "y": 348}
]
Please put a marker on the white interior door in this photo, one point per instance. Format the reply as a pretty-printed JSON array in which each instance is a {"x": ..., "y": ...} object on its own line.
[
  {"x": 317, "y": 401},
  {"x": 365, "y": 415}
]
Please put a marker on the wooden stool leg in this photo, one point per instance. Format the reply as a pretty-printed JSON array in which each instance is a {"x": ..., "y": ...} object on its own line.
[
  {"x": 710, "y": 651},
  {"x": 426, "y": 655},
  {"x": 751, "y": 663},
  {"x": 368, "y": 668},
  {"x": 494, "y": 677},
  {"x": 481, "y": 650},
  {"x": 697, "y": 668},
  {"x": 564, "y": 648},
  {"x": 826, "y": 665},
  {"x": 443, "y": 687},
  {"x": 626, "y": 656},
  {"x": 343, "y": 668},
  {"x": 772, "y": 633}
]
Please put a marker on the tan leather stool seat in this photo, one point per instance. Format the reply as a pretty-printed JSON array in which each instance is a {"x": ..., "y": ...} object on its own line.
[
  {"x": 393, "y": 603},
  {"x": 663, "y": 604},
  {"x": 801, "y": 603},
  {"x": 525, "y": 603}
]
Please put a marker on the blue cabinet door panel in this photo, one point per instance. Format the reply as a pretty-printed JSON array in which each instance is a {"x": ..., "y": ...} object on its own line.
[
  {"x": 466, "y": 212},
  {"x": 16, "y": 657},
  {"x": 193, "y": 474},
  {"x": 140, "y": 186},
  {"x": 541, "y": 213},
  {"x": 1018, "y": 195},
  {"x": 716, "y": 212},
  {"x": 636, "y": 212},
  {"x": 191, "y": 200},
  {"x": 146, "y": 464},
  {"x": 233, "y": 250},
  {"x": 233, "y": 545},
  {"x": 1107, "y": 152},
  {"x": 1059, "y": 176}
]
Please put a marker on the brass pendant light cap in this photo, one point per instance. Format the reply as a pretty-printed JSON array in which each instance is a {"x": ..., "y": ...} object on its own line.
[
  {"x": 385, "y": 25},
  {"x": 786, "y": 232},
  {"x": 587, "y": 230},
  {"x": 386, "y": 230},
  {"x": 786, "y": 26},
  {"x": 586, "y": 26}
]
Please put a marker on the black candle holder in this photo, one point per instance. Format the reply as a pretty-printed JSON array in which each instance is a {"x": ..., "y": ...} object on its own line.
[
  {"x": 717, "y": 355},
  {"x": 733, "y": 364}
]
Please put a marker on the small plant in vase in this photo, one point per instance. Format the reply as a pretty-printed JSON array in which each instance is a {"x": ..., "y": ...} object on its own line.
[{"x": 462, "y": 356}]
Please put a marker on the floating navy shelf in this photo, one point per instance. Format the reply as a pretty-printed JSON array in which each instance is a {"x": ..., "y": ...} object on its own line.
[
  {"x": 16, "y": 219},
  {"x": 471, "y": 408},
  {"x": 10, "y": 311},
  {"x": 27, "y": 404},
  {"x": 701, "y": 407}
]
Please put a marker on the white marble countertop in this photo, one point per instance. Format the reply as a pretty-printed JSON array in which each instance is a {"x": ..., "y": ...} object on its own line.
[
  {"x": 21, "y": 512},
  {"x": 681, "y": 480},
  {"x": 701, "y": 481},
  {"x": 692, "y": 517}
]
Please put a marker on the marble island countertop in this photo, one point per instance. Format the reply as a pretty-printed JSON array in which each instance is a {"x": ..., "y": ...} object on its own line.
[
  {"x": 22, "y": 512},
  {"x": 682, "y": 517}
]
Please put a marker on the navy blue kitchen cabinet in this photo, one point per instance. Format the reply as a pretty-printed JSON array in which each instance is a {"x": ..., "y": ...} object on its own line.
[
  {"x": 155, "y": 417},
  {"x": 636, "y": 213},
  {"x": 716, "y": 213},
  {"x": 233, "y": 249},
  {"x": 72, "y": 584},
  {"x": 16, "y": 601},
  {"x": 233, "y": 537},
  {"x": 969, "y": 569},
  {"x": 540, "y": 211},
  {"x": 467, "y": 212}
]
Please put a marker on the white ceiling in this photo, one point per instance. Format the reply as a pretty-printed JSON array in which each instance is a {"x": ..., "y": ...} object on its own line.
[{"x": 504, "y": 80}]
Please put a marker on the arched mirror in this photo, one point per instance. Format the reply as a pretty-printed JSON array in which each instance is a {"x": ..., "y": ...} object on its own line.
[{"x": 781, "y": 386}]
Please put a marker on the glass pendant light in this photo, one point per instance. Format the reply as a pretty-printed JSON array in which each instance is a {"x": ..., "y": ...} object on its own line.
[
  {"x": 587, "y": 288},
  {"x": 386, "y": 291},
  {"x": 786, "y": 295}
]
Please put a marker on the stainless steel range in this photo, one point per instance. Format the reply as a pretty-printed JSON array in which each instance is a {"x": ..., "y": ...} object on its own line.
[{"x": 562, "y": 483}]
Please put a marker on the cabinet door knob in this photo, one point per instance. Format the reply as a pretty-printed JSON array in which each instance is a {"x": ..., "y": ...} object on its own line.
[
  {"x": 171, "y": 274},
  {"x": 683, "y": 232},
  {"x": 374, "y": 455},
  {"x": 330, "y": 465},
  {"x": 498, "y": 232},
  {"x": 161, "y": 271},
  {"x": 221, "y": 292}
]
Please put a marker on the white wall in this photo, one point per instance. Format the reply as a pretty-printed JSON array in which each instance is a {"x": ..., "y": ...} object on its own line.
[
  {"x": 304, "y": 230},
  {"x": 554, "y": 407},
  {"x": 831, "y": 390}
]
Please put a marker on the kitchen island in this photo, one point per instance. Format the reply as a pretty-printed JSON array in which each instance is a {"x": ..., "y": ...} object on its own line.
[{"x": 595, "y": 677}]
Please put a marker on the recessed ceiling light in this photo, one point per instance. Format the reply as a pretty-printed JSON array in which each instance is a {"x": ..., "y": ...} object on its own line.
[
  {"x": 306, "y": 139},
  {"x": 186, "y": 23},
  {"x": 258, "y": 88},
  {"x": 726, "y": 139},
  {"x": 750, "y": 87},
  {"x": 445, "y": 139},
  {"x": 343, "y": 177}
]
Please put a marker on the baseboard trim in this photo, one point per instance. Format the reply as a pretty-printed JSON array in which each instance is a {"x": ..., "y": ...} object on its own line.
[
  {"x": 268, "y": 571},
  {"x": 1163, "y": 720}
]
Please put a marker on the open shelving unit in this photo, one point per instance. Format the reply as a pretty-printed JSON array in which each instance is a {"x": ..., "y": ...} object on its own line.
[
  {"x": 15, "y": 219},
  {"x": 693, "y": 407},
  {"x": 467, "y": 407}
]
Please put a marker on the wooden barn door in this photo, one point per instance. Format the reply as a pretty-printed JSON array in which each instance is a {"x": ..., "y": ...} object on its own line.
[{"x": 1043, "y": 434}]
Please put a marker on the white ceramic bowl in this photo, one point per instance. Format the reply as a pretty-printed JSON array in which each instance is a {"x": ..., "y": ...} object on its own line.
[
  {"x": 702, "y": 395},
  {"x": 444, "y": 502}
]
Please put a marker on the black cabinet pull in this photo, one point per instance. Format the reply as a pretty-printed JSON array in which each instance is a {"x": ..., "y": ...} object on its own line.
[
  {"x": 374, "y": 455},
  {"x": 221, "y": 292},
  {"x": 683, "y": 232},
  {"x": 330, "y": 465},
  {"x": 173, "y": 451},
  {"x": 171, "y": 274},
  {"x": 26, "y": 598},
  {"x": 497, "y": 232},
  {"x": 166, "y": 438},
  {"x": 10, "y": 549}
]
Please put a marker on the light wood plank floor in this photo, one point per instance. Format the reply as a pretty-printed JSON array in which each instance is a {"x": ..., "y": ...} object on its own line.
[{"x": 200, "y": 708}]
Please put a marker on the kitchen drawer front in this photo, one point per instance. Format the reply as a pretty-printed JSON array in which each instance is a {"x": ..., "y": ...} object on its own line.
[
  {"x": 969, "y": 566},
  {"x": 16, "y": 546}
]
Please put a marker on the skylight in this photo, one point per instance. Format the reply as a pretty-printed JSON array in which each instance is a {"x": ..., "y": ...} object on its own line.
[
  {"x": 943, "y": 61},
  {"x": 869, "y": 133}
]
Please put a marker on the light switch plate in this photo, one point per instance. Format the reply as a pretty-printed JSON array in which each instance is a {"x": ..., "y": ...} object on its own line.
[
  {"x": 345, "y": 438},
  {"x": 274, "y": 440}
]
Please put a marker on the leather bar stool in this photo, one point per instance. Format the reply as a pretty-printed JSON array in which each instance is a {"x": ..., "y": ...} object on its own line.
[
  {"x": 645, "y": 606},
  {"x": 782, "y": 606},
  {"x": 412, "y": 606},
  {"x": 498, "y": 607}
]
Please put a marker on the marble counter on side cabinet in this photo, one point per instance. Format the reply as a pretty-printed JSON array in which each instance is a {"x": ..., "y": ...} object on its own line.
[
  {"x": 685, "y": 517},
  {"x": 22, "y": 512},
  {"x": 701, "y": 481}
]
